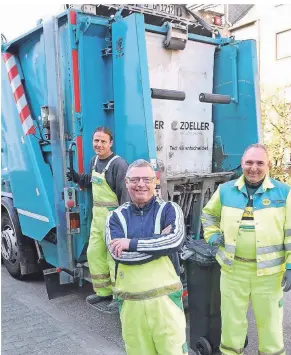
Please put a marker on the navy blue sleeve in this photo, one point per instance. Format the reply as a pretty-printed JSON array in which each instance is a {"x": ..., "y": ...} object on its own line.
[
  {"x": 164, "y": 244},
  {"x": 115, "y": 229}
]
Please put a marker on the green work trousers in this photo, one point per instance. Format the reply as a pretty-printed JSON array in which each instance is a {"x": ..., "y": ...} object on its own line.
[{"x": 238, "y": 288}]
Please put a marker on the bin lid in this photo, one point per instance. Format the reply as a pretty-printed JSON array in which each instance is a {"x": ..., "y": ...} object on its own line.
[{"x": 203, "y": 253}]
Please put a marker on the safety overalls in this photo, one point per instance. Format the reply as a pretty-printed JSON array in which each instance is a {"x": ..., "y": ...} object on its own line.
[
  {"x": 242, "y": 285},
  {"x": 100, "y": 262},
  {"x": 151, "y": 309}
]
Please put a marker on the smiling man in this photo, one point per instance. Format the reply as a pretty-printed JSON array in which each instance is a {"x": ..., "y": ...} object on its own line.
[
  {"x": 144, "y": 238},
  {"x": 106, "y": 177},
  {"x": 250, "y": 220}
]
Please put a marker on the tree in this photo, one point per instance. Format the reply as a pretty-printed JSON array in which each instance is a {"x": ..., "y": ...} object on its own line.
[{"x": 276, "y": 121}]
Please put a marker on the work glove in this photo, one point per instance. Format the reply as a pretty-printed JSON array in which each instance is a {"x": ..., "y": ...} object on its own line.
[
  {"x": 218, "y": 241},
  {"x": 286, "y": 281},
  {"x": 72, "y": 176}
]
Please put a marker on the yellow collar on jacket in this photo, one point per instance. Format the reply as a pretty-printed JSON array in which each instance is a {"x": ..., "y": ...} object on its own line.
[{"x": 267, "y": 183}]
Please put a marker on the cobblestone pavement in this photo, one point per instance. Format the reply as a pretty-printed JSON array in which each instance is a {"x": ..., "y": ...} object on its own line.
[{"x": 33, "y": 325}]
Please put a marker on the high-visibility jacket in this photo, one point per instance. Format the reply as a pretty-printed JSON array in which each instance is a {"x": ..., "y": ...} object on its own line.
[{"x": 272, "y": 219}]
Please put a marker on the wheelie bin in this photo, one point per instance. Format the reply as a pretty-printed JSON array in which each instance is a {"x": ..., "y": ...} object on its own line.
[{"x": 203, "y": 282}]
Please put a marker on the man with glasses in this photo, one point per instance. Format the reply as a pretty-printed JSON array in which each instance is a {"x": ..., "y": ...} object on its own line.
[{"x": 144, "y": 237}]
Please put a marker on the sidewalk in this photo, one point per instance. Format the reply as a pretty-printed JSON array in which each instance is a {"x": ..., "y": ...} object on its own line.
[{"x": 28, "y": 329}]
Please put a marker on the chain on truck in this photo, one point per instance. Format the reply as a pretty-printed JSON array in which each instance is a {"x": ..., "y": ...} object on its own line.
[{"x": 173, "y": 91}]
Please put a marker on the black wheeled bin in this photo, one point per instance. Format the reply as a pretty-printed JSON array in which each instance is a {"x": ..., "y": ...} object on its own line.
[{"x": 203, "y": 280}]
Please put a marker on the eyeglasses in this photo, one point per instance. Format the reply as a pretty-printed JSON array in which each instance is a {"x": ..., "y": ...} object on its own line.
[{"x": 136, "y": 180}]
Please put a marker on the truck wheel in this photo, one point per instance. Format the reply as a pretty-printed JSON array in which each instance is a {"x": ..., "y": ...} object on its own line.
[
  {"x": 9, "y": 247},
  {"x": 203, "y": 347}
]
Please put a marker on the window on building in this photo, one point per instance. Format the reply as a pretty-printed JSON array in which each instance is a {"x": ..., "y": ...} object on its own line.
[{"x": 283, "y": 44}]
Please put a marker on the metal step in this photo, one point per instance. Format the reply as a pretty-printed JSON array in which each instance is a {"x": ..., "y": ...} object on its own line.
[{"x": 103, "y": 307}]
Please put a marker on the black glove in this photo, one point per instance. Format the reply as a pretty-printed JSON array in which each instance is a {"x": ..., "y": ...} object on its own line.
[
  {"x": 286, "y": 281},
  {"x": 72, "y": 177},
  {"x": 218, "y": 241}
]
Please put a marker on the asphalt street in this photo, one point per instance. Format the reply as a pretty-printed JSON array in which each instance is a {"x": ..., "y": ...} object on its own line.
[{"x": 33, "y": 325}]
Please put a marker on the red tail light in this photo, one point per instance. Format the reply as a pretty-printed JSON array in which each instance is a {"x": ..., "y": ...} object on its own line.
[{"x": 185, "y": 293}]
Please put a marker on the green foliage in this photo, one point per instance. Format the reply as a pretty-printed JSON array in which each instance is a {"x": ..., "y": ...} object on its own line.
[{"x": 276, "y": 121}]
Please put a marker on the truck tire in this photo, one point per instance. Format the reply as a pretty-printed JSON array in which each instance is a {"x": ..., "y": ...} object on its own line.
[{"x": 9, "y": 247}]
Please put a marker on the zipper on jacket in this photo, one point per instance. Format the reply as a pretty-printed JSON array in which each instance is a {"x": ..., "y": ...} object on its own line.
[{"x": 141, "y": 212}]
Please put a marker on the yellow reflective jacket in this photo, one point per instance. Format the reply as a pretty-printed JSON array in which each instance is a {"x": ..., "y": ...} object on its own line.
[{"x": 272, "y": 217}]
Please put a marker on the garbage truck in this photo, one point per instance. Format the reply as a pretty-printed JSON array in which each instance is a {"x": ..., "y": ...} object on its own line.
[{"x": 170, "y": 87}]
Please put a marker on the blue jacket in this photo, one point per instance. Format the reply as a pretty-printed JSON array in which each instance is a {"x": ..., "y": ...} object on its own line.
[{"x": 144, "y": 226}]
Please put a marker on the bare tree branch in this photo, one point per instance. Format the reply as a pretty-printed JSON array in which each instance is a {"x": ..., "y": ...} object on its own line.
[
  {"x": 275, "y": 126},
  {"x": 276, "y": 122}
]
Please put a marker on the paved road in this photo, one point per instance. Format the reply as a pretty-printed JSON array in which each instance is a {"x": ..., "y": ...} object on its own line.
[{"x": 32, "y": 325}]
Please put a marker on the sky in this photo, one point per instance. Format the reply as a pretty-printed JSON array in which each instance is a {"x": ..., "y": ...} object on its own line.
[{"x": 18, "y": 18}]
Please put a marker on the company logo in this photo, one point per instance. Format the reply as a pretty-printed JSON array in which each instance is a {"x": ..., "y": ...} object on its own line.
[
  {"x": 190, "y": 126},
  {"x": 266, "y": 202},
  {"x": 174, "y": 125}
]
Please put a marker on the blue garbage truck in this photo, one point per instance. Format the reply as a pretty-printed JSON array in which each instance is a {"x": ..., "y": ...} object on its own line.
[{"x": 171, "y": 89}]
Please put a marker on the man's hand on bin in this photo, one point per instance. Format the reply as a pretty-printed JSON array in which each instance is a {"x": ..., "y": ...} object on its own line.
[
  {"x": 72, "y": 176},
  {"x": 217, "y": 240},
  {"x": 286, "y": 281}
]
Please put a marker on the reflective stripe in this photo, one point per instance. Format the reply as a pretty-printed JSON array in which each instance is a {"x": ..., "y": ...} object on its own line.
[
  {"x": 287, "y": 246},
  {"x": 158, "y": 292},
  {"x": 270, "y": 249},
  {"x": 229, "y": 248},
  {"x": 15, "y": 83},
  {"x": 100, "y": 277},
  {"x": 276, "y": 353},
  {"x": 237, "y": 351},
  {"x": 122, "y": 221},
  {"x": 108, "y": 164},
  {"x": 270, "y": 263},
  {"x": 288, "y": 233},
  {"x": 33, "y": 215},
  {"x": 10, "y": 63},
  {"x": 110, "y": 161},
  {"x": 105, "y": 204},
  {"x": 245, "y": 260},
  {"x": 27, "y": 124},
  {"x": 224, "y": 258},
  {"x": 95, "y": 162},
  {"x": 158, "y": 219},
  {"x": 210, "y": 220},
  {"x": 101, "y": 284},
  {"x": 7, "y": 194},
  {"x": 21, "y": 103}
]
